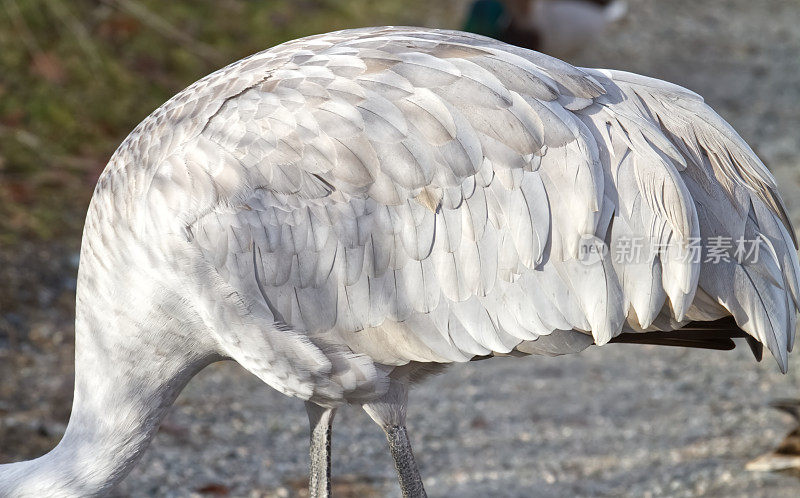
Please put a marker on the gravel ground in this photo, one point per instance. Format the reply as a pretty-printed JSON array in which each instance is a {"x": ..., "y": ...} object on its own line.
[{"x": 618, "y": 420}]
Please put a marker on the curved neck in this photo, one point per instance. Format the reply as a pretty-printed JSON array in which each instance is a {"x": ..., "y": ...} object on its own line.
[
  {"x": 108, "y": 431},
  {"x": 126, "y": 378}
]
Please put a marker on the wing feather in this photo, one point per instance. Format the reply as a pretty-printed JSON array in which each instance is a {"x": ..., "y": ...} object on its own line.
[{"x": 432, "y": 193}]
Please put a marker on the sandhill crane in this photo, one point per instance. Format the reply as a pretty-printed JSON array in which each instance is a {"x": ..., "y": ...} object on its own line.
[{"x": 347, "y": 213}]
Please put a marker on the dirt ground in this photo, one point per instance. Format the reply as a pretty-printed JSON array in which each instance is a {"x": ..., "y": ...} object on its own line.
[{"x": 612, "y": 421}]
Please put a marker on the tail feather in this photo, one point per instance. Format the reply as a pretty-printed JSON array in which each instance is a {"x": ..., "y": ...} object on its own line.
[
  {"x": 736, "y": 199},
  {"x": 717, "y": 334}
]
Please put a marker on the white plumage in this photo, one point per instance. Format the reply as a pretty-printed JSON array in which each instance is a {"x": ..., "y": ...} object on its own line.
[{"x": 340, "y": 213}]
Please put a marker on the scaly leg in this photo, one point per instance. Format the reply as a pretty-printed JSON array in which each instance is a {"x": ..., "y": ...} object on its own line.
[
  {"x": 390, "y": 413},
  {"x": 407, "y": 471},
  {"x": 321, "y": 421}
]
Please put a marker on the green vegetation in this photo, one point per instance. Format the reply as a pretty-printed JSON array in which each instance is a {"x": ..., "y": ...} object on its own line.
[{"x": 77, "y": 75}]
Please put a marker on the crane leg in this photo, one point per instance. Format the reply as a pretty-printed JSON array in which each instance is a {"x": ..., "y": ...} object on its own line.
[
  {"x": 319, "y": 478},
  {"x": 407, "y": 471},
  {"x": 390, "y": 413}
]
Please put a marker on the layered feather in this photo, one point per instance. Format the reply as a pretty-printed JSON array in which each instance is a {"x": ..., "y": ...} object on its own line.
[{"x": 425, "y": 195}]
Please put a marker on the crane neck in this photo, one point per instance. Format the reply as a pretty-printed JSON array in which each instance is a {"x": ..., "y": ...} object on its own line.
[{"x": 128, "y": 372}]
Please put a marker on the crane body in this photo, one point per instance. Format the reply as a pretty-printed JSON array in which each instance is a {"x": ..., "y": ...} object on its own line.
[{"x": 348, "y": 213}]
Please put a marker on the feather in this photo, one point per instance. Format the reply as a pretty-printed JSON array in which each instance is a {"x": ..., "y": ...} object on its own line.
[
  {"x": 427, "y": 113},
  {"x": 383, "y": 121},
  {"x": 339, "y": 119},
  {"x": 425, "y": 70},
  {"x": 397, "y": 194}
]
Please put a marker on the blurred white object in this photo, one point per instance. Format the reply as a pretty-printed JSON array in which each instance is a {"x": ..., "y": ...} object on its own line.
[
  {"x": 565, "y": 26},
  {"x": 555, "y": 27}
]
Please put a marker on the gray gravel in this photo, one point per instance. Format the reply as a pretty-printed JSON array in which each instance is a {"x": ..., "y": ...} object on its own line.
[
  {"x": 619, "y": 420},
  {"x": 623, "y": 420}
]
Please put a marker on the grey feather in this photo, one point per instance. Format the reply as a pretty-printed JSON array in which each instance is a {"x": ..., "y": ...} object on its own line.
[{"x": 422, "y": 195}]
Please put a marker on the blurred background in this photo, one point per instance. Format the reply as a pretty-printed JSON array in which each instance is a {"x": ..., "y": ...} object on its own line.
[{"x": 76, "y": 76}]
